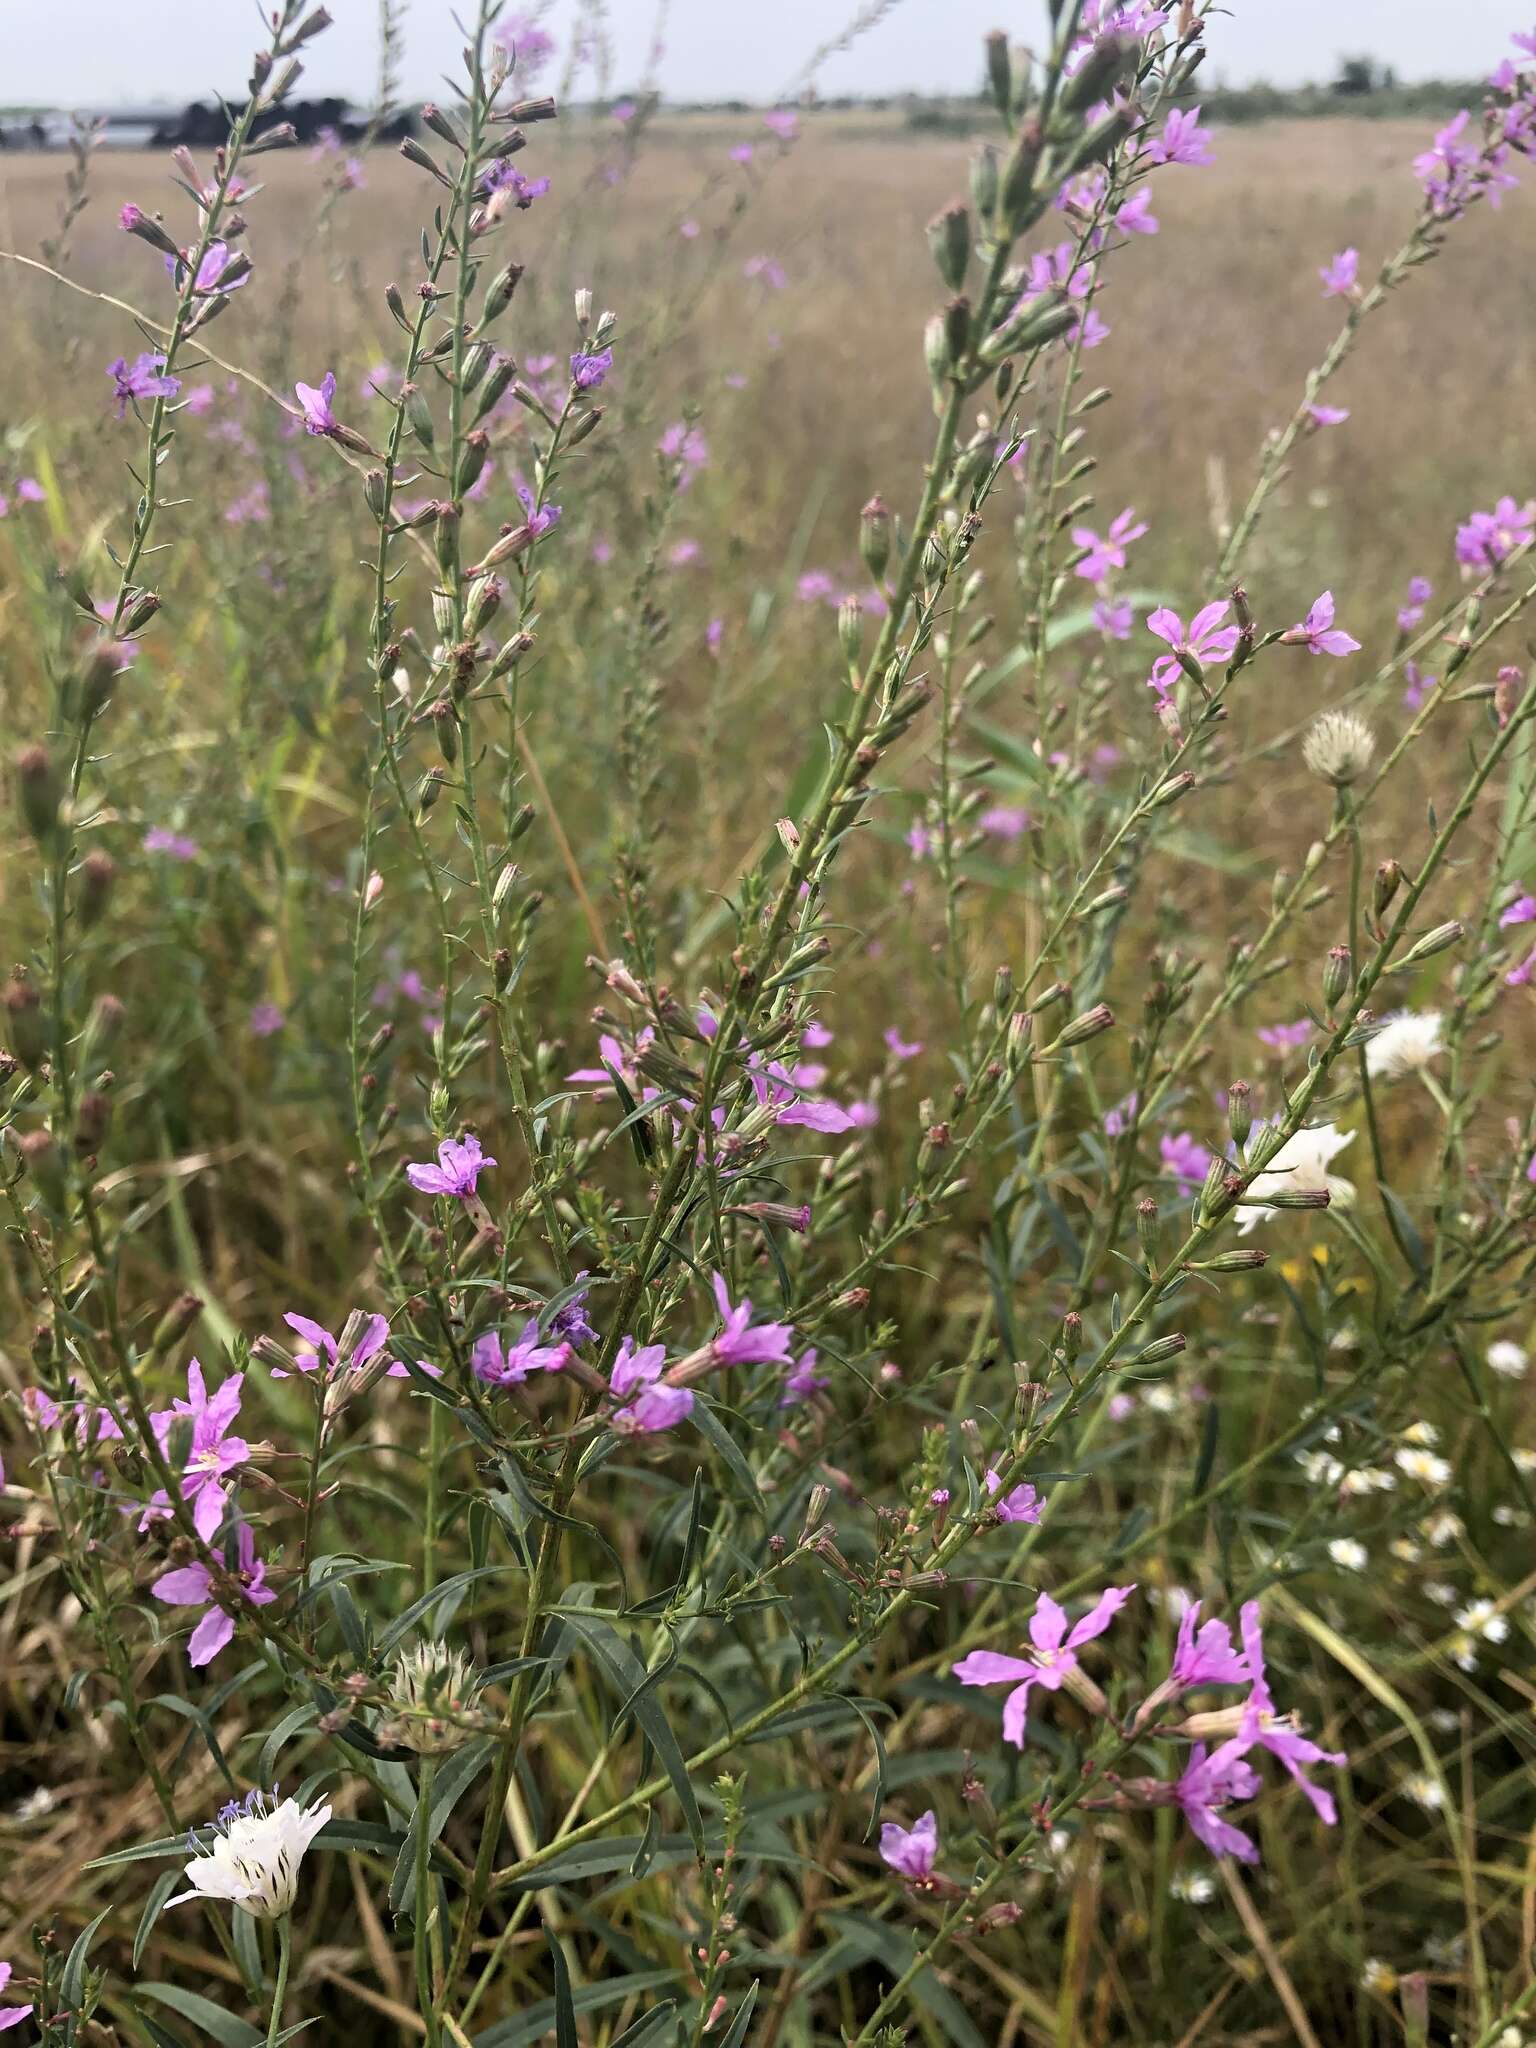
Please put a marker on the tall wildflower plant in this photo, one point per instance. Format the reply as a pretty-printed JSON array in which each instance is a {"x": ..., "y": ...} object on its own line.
[{"x": 711, "y": 1551}]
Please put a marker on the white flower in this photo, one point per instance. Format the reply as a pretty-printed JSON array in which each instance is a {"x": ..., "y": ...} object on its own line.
[
  {"x": 1442, "y": 1527},
  {"x": 1378, "y": 1976},
  {"x": 1405, "y": 1549},
  {"x": 1421, "y": 1433},
  {"x": 1406, "y": 1043},
  {"x": 1338, "y": 747},
  {"x": 1193, "y": 1887},
  {"x": 1423, "y": 1790},
  {"x": 1300, "y": 1166},
  {"x": 1423, "y": 1465},
  {"x": 1525, "y": 1461},
  {"x": 1348, "y": 1554},
  {"x": 1482, "y": 1618},
  {"x": 1366, "y": 1479},
  {"x": 1507, "y": 1357},
  {"x": 1442, "y": 1594},
  {"x": 256, "y": 1856}
]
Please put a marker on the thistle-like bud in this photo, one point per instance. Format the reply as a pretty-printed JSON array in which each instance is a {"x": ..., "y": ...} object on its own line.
[
  {"x": 1097, "y": 75},
  {"x": 949, "y": 242},
  {"x": 1241, "y": 1259},
  {"x": 1147, "y": 1231},
  {"x": 494, "y": 390},
  {"x": 133, "y": 220},
  {"x": 26, "y": 1026},
  {"x": 1160, "y": 1350},
  {"x": 1388, "y": 880},
  {"x": 98, "y": 871},
  {"x": 1507, "y": 692},
  {"x": 37, "y": 787},
  {"x": 984, "y": 181},
  {"x": 498, "y": 293},
  {"x": 936, "y": 349},
  {"x": 433, "y": 117},
  {"x": 1090, "y": 1024},
  {"x": 472, "y": 460},
  {"x": 1338, "y": 971},
  {"x": 850, "y": 628},
  {"x": 1339, "y": 747},
  {"x": 418, "y": 416},
  {"x": 413, "y": 153},
  {"x": 44, "y": 1161},
  {"x": 431, "y": 1685},
  {"x": 999, "y": 71},
  {"x": 176, "y": 1323}
]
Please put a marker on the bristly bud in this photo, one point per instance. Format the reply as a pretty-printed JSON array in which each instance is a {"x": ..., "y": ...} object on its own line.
[
  {"x": 1242, "y": 1259},
  {"x": 1432, "y": 943},
  {"x": 413, "y": 153},
  {"x": 133, "y": 220},
  {"x": 1090, "y": 1024},
  {"x": 37, "y": 786},
  {"x": 43, "y": 1160},
  {"x": 850, "y": 628},
  {"x": 949, "y": 242},
  {"x": 1018, "y": 178},
  {"x": 472, "y": 460},
  {"x": 431, "y": 1685},
  {"x": 283, "y": 135},
  {"x": 312, "y": 25},
  {"x": 1097, "y": 75},
  {"x": 936, "y": 349},
  {"x": 1389, "y": 878},
  {"x": 26, "y": 1026},
  {"x": 999, "y": 72},
  {"x": 1507, "y": 692},
  {"x": 1071, "y": 1335},
  {"x": 445, "y": 723},
  {"x": 1339, "y": 747},
  {"x": 1291, "y": 1198},
  {"x": 1338, "y": 971},
  {"x": 1240, "y": 1110},
  {"x": 1160, "y": 1350},
  {"x": 433, "y": 117},
  {"x": 1172, "y": 790},
  {"x": 396, "y": 305},
  {"x": 139, "y": 610},
  {"x": 957, "y": 327},
  {"x": 789, "y": 836},
  {"x": 525, "y": 111},
  {"x": 498, "y": 293},
  {"x": 418, "y": 415},
  {"x": 815, "y": 1508},
  {"x": 175, "y": 1324},
  {"x": 496, "y": 385},
  {"x": 98, "y": 871},
  {"x": 1147, "y": 1231}
]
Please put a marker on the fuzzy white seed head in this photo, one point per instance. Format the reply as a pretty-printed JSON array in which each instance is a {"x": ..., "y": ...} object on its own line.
[
  {"x": 1508, "y": 1358},
  {"x": 1405, "y": 1044},
  {"x": 1339, "y": 747}
]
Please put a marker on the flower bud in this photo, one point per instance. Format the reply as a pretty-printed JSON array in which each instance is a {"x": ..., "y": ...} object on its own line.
[
  {"x": 1240, "y": 1110},
  {"x": 949, "y": 243},
  {"x": 498, "y": 293},
  {"x": 26, "y": 1026},
  {"x": 1338, "y": 971},
  {"x": 1389, "y": 878},
  {"x": 98, "y": 871},
  {"x": 413, "y": 153},
  {"x": 1242, "y": 1259},
  {"x": 1160, "y": 1350},
  {"x": 1432, "y": 943},
  {"x": 37, "y": 787},
  {"x": 92, "y": 1118},
  {"x": 433, "y": 117},
  {"x": 850, "y": 628},
  {"x": 44, "y": 1161},
  {"x": 984, "y": 181},
  {"x": 133, "y": 220},
  {"x": 1090, "y": 1024},
  {"x": 176, "y": 1323},
  {"x": 430, "y": 1685}
]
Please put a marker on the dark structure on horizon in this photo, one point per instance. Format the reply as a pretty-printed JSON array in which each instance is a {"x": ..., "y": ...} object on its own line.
[{"x": 203, "y": 124}]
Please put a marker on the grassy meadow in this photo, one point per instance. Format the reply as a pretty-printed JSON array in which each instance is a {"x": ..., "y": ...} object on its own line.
[{"x": 671, "y": 708}]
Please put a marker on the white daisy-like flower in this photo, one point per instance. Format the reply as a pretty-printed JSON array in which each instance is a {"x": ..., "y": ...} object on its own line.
[
  {"x": 1321, "y": 1467},
  {"x": 1423, "y": 1790},
  {"x": 1525, "y": 1461},
  {"x": 1438, "y": 1591},
  {"x": 1421, "y": 1433},
  {"x": 1348, "y": 1554},
  {"x": 1423, "y": 1465},
  {"x": 1366, "y": 1479},
  {"x": 1405, "y": 1044},
  {"x": 1442, "y": 1527},
  {"x": 1508, "y": 1358},
  {"x": 1299, "y": 1167},
  {"x": 1405, "y": 1549},
  {"x": 1378, "y": 1976},
  {"x": 256, "y": 1853},
  {"x": 1505, "y": 1515}
]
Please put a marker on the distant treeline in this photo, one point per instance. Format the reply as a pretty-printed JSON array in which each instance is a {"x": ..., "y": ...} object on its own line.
[{"x": 204, "y": 124}]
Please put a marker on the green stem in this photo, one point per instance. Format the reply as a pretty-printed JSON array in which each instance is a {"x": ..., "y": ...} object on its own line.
[{"x": 280, "y": 1989}]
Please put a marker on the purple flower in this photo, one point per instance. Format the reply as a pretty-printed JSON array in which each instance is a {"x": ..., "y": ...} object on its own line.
[
  {"x": 1118, "y": 1120},
  {"x": 1212, "y": 1781},
  {"x": 1521, "y": 911},
  {"x": 1488, "y": 538},
  {"x": 1107, "y": 552},
  {"x": 1206, "y": 640},
  {"x": 815, "y": 1036},
  {"x": 509, "y": 1366},
  {"x": 1186, "y": 1159},
  {"x": 219, "y": 271},
  {"x": 1054, "y": 1656},
  {"x": 570, "y": 1323},
  {"x": 775, "y": 1087},
  {"x": 657, "y": 1407},
  {"x": 911, "y": 1851},
  {"x": 1521, "y": 977},
  {"x": 318, "y": 416},
  {"x": 903, "y": 1048},
  {"x": 741, "y": 153},
  {"x": 1114, "y": 618},
  {"x": 459, "y": 1166},
  {"x": 685, "y": 446},
  {"x": 590, "y": 367},
  {"x": 1285, "y": 1037},
  {"x": 1317, "y": 633},
  {"x": 1328, "y": 415},
  {"x": 769, "y": 269},
  {"x": 623, "y": 111},
  {"x": 213, "y": 1452},
  {"x": 321, "y": 1352},
  {"x": 529, "y": 46},
  {"x": 1277, "y": 1732},
  {"x": 12, "y": 2015},
  {"x": 1417, "y": 685},
  {"x": 1020, "y": 1504},
  {"x": 505, "y": 185},
  {"x": 1445, "y": 171},
  {"x": 1204, "y": 1653},
  {"x": 144, "y": 377},
  {"x": 1339, "y": 276},
  {"x": 1005, "y": 821},
  {"x": 1183, "y": 140},
  {"x": 1136, "y": 216},
  {"x": 158, "y": 840},
  {"x": 1420, "y": 591},
  {"x": 541, "y": 518},
  {"x": 783, "y": 122},
  {"x": 192, "y": 1586},
  {"x": 740, "y": 1342},
  {"x": 802, "y": 1382}
]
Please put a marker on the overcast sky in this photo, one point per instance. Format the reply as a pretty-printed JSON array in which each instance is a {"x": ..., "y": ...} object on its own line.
[{"x": 84, "y": 52}]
